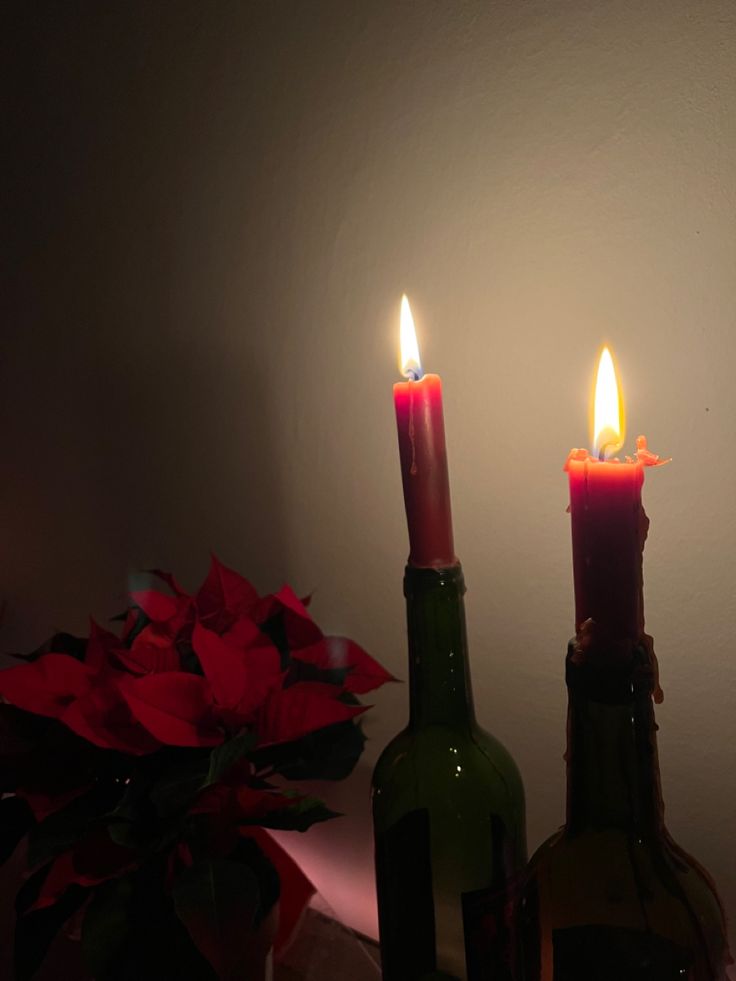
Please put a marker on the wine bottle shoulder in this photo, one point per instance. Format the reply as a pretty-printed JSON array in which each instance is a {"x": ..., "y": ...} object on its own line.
[
  {"x": 502, "y": 761},
  {"x": 444, "y": 767},
  {"x": 627, "y": 883},
  {"x": 446, "y": 747}
]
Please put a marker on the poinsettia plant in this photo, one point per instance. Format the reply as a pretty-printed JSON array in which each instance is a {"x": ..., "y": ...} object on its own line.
[{"x": 144, "y": 767}]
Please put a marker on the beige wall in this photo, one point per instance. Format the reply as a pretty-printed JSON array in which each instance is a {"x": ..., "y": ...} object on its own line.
[{"x": 214, "y": 209}]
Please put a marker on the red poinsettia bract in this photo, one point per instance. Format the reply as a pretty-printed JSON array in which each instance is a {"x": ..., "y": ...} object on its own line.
[
  {"x": 163, "y": 751},
  {"x": 135, "y": 693}
]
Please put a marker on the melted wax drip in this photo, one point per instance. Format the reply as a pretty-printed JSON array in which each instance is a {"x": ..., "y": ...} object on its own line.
[
  {"x": 412, "y": 440},
  {"x": 643, "y": 456}
]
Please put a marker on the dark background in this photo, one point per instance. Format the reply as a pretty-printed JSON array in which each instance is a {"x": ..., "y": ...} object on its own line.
[{"x": 210, "y": 212}]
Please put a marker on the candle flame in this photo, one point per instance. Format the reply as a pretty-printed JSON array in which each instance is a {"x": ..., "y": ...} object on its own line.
[
  {"x": 608, "y": 410},
  {"x": 410, "y": 364}
]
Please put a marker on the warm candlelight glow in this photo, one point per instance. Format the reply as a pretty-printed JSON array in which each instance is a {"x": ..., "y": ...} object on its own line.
[
  {"x": 608, "y": 410},
  {"x": 410, "y": 364}
]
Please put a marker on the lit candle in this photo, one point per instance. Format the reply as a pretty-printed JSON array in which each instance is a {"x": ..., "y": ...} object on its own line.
[
  {"x": 421, "y": 428},
  {"x": 609, "y": 526}
]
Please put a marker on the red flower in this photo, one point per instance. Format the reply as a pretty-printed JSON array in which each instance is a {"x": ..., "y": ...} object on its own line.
[
  {"x": 101, "y": 646},
  {"x": 153, "y": 650},
  {"x": 299, "y": 628},
  {"x": 157, "y": 606},
  {"x": 85, "y": 700},
  {"x": 133, "y": 693},
  {"x": 240, "y": 679},
  {"x": 46, "y": 686},
  {"x": 223, "y": 597},
  {"x": 174, "y": 706},
  {"x": 291, "y": 713},
  {"x": 363, "y": 673},
  {"x": 103, "y": 718}
]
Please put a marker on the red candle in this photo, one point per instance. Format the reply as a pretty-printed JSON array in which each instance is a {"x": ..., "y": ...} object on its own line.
[
  {"x": 421, "y": 428},
  {"x": 609, "y": 526}
]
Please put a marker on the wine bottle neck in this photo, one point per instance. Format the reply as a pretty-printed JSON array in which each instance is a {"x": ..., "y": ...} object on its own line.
[
  {"x": 439, "y": 674},
  {"x": 612, "y": 767}
]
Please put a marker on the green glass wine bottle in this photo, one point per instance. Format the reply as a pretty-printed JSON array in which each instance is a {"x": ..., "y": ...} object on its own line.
[
  {"x": 448, "y": 810},
  {"x": 611, "y": 897}
]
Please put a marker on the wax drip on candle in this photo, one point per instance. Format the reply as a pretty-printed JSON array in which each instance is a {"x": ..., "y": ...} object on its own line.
[
  {"x": 411, "y": 369},
  {"x": 643, "y": 456},
  {"x": 412, "y": 434},
  {"x": 587, "y": 646}
]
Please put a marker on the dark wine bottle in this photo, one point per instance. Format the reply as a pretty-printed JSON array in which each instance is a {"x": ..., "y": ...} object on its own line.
[
  {"x": 448, "y": 811},
  {"x": 611, "y": 897}
]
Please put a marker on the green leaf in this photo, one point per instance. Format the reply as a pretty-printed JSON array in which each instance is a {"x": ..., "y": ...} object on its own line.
[
  {"x": 179, "y": 785},
  {"x": 226, "y": 755},
  {"x": 157, "y": 946},
  {"x": 16, "y": 818},
  {"x": 217, "y": 902},
  {"x": 305, "y": 812},
  {"x": 135, "y": 822},
  {"x": 132, "y": 822},
  {"x": 327, "y": 754},
  {"x": 106, "y": 924},
  {"x": 124, "y": 833},
  {"x": 64, "y": 828},
  {"x": 248, "y": 852}
]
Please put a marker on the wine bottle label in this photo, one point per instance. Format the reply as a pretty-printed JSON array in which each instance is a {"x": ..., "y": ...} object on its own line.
[
  {"x": 406, "y": 908},
  {"x": 602, "y": 953},
  {"x": 486, "y": 945},
  {"x": 489, "y": 953}
]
